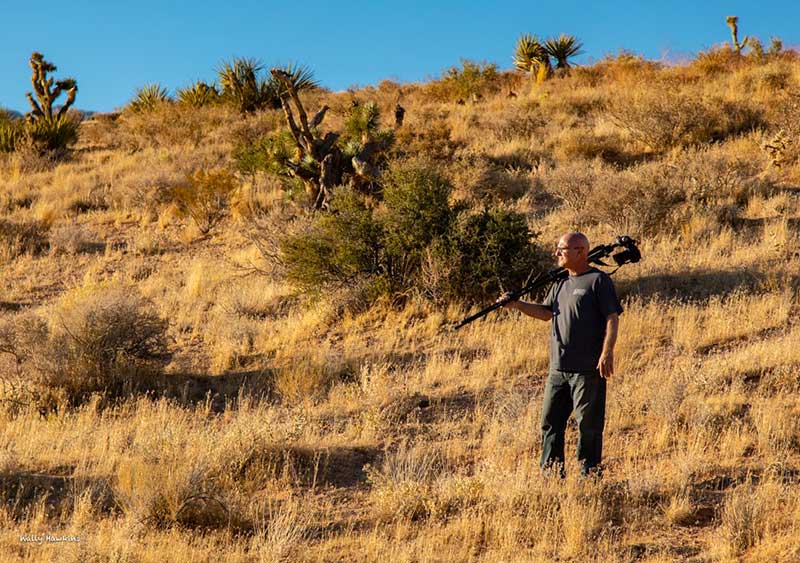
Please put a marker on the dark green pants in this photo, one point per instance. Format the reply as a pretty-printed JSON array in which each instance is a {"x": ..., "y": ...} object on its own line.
[{"x": 585, "y": 393}]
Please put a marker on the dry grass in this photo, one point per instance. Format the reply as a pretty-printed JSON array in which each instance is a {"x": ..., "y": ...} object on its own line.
[{"x": 284, "y": 429}]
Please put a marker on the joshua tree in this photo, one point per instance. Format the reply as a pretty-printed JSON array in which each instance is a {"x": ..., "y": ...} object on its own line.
[
  {"x": 732, "y": 23},
  {"x": 242, "y": 86},
  {"x": 563, "y": 48},
  {"x": 531, "y": 56},
  {"x": 319, "y": 161},
  {"x": 46, "y": 93}
]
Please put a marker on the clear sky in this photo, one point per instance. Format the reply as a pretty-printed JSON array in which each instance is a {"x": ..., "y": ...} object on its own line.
[{"x": 114, "y": 47}]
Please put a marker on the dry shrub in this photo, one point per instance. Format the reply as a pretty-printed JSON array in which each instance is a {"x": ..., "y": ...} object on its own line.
[
  {"x": 402, "y": 486},
  {"x": 578, "y": 105},
  {"x": 106, "y": 340},
  {"x": 622, "y": 67},
  {"x": 162, "y": 492},
  {"x": 16, "y": 239},
  {"x": 279, "y": 531},
  {"x": 308, "y": 373},
  {"x": 717, "y": 60},
  {"x": 774, "y": 77},
  {"x": 205, "y": 197},
  {"x": 430, "y": 136},
  {"x": 69, "y": 238},
  {"x": 658, "y": 197},
  {"x": 667, "y": 117},
  {"x": 578, "y": 143},
  {"x": 170, "y": 124},
  {"x": 777, "y": 426},
  {"x": 744, "y": 518},
  {"x": 515, "y": 121},
  {"x": 679, "y": 511}
]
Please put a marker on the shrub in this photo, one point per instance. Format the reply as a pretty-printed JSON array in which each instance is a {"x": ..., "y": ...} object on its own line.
[
  {"x": 205, "y": 196},
  {"x": 642, "y": 201},
  {"x": 467, "y": 82},
  {"x": 337, "y": 248},
  {"x": 165, "y": 125},
  {"x": 655, "y": 198},
  {"x": 413, "y": 240},
  {"x": 17, "y": 239},
  {"x": 665, "y": 118},
  {"x": 485, "y": 254},
  {"x": 105, "y": 340},
  {"x": 417, "y": 208}
]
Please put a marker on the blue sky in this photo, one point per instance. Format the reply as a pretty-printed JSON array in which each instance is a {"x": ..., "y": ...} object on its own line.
[{"x": 113, "y": 47}]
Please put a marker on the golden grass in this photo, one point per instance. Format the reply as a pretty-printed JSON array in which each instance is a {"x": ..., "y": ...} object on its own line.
[{"x": 295, "y": 430}]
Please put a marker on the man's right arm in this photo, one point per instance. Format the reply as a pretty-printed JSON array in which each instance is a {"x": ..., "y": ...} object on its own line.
[{"x": 534, "y": 310}]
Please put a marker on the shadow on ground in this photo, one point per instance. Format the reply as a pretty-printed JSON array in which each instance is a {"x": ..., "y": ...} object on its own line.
[
  {"x": 24, "y": 491},
  {"x": 692, "y": 286}
]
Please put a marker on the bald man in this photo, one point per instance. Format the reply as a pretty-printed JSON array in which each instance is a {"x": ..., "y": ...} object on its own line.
[{"x": 585, "y": 312}]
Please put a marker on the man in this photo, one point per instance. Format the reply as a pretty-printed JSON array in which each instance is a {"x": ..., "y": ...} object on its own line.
[{"x": 585, "y": 312}]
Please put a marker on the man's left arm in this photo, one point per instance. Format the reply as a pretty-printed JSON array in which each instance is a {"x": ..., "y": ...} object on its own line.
[{"x": 606, "y": 363}]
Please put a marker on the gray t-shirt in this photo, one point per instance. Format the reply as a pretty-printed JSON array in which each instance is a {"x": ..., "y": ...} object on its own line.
[{"x": 580, "y": 306}]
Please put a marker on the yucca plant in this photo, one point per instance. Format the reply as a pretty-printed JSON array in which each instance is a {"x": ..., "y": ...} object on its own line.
[
  {"x": 243, "y": 88},
  {"x": 198, "y": 94},
  {"x": 11, "y": 131},
  {"x": 563, "y": 48},
  {"x": 148, "y": 97},
  {"x": 531, "y": 56},
  {"x": 53, "y": 134},
  {"x": 10, "y": 134}
]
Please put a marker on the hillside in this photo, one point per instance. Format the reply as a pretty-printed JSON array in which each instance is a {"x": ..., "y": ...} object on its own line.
[{"x": 175, "y": 395}]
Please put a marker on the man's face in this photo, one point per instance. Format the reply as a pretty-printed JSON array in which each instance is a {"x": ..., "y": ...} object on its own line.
[{"x": 569, "y": 253}]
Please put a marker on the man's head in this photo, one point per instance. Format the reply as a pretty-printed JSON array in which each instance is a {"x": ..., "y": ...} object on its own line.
[{"x": 572, "y": 252}]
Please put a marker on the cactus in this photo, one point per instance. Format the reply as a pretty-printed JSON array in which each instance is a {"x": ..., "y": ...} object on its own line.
[
  {"x": 46, "y": 93},
  {"x": 732, "y": 23}
]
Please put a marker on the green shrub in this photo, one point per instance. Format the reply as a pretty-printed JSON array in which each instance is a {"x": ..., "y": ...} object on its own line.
[
  {"x": 417, "y": 208},
  {"x": 485, "y": 254},
  {"x": 270, "y": 153},
  {"x": 339, "y": 247},
  {"x": 467, "y": 82},
  {"x": 413, "y": 240},
  {"x": 205, "y": 197}
]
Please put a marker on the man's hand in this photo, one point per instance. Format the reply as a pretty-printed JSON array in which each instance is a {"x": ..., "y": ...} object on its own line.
[
  {"x": 606, "y": 365},
  {"x": 510, "y": 304}
]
